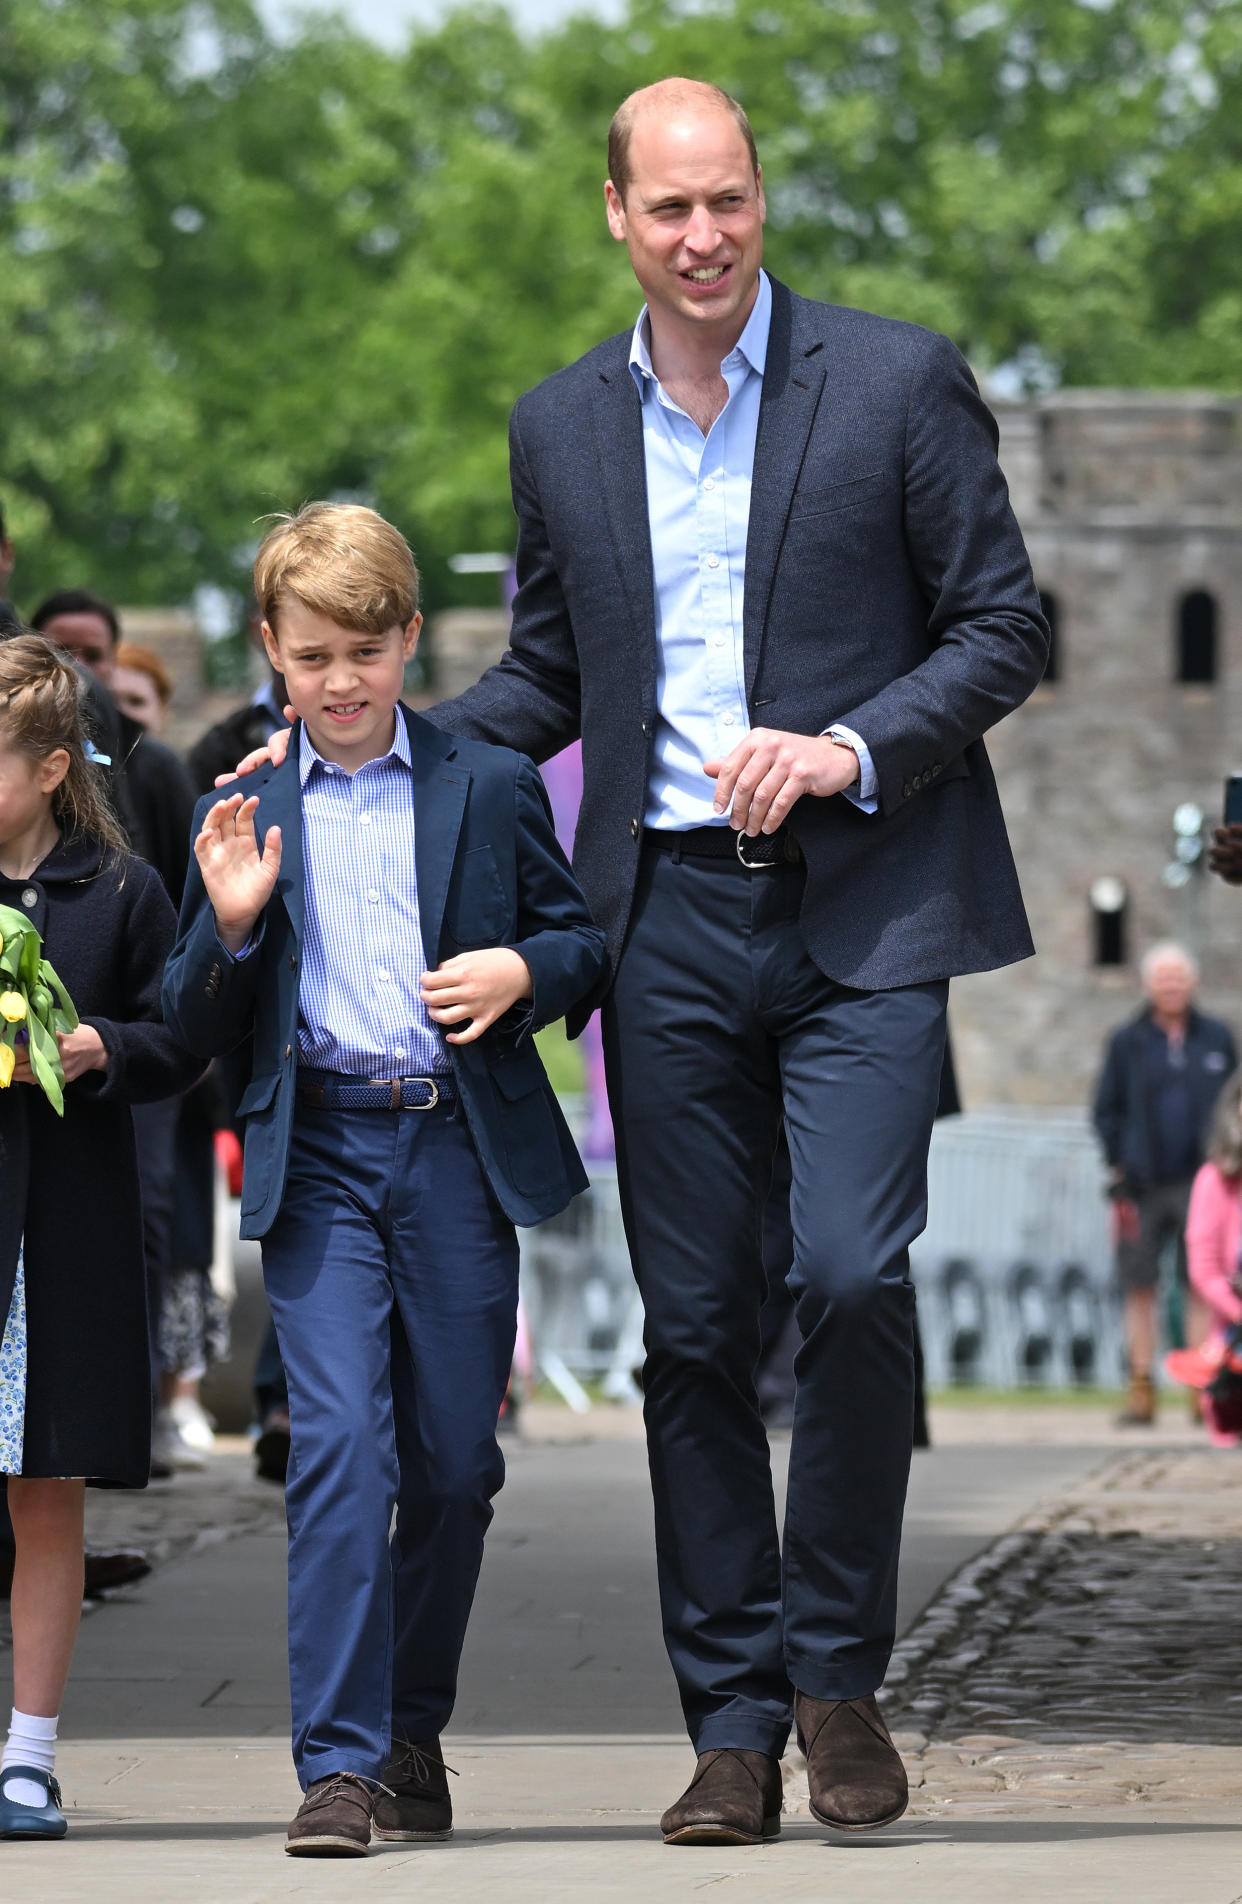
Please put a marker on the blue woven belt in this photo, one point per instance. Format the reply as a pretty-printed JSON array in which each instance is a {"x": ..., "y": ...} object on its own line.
[{"x": 336, "y": 1091}]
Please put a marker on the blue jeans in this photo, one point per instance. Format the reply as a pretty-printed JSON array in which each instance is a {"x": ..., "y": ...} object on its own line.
[{"x": 392, "y": 1275}]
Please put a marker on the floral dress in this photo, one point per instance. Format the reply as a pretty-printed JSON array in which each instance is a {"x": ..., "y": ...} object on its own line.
[{"x": 13, "y": 1377}]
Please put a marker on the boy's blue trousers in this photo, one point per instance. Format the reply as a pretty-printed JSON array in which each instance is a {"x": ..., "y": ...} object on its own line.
[{"x": 392, "y": 1274}]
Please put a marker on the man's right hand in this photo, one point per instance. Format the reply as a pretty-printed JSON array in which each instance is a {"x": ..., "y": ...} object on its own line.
[
  {"x": 275, "y": 751},
  {"x": 1225, "y": 854},
  {"x": 239, "y": 881}
]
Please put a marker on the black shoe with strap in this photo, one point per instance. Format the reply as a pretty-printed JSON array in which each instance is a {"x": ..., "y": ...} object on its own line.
[{"x": 414, "y": 1803}]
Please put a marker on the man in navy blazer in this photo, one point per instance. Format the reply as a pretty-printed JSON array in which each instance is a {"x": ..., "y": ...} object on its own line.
[{"x": 768, "y": 570}]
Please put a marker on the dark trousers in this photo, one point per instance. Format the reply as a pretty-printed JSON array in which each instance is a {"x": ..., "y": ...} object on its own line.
[
  {"x": 719, "y": 1024},
  {"x": 392, "y": 1276}
]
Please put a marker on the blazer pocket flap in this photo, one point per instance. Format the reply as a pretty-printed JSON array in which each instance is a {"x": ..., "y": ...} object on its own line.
[
  {"x": 827, "y": 499},
  {"x": 258, "y": 1095},
  {"x": 517, "y": 1076}
]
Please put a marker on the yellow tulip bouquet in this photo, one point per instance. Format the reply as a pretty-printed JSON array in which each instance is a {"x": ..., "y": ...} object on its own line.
[{"x": 33, "y": 1001}]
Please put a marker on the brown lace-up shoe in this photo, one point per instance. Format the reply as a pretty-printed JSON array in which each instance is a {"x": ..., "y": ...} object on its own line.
[
  {"x": 415, "y": 1802},
  {"x": 733, "y": 1798},
  {"x": 334, "y": 1820},
  {"x": 856, "y": 1778}
]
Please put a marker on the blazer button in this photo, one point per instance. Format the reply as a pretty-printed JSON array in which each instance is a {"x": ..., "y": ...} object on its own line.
[
  {"x": 906, "y": 791},
  {"x": 293, "y": 963},
  {"x": 634, "y": 829},
  {"x": 288, "y": 1051}
]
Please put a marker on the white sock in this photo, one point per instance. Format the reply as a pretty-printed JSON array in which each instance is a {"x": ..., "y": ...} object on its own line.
[{"x": 32, "y": 1741}]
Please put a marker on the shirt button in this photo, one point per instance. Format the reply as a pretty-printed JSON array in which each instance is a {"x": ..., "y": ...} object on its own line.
[
  {"x": 382, "y": 977},
  {"x": 719, "y": 641},
  {"x": 713, "y": 561},
  {"x": 30, "y": 897},
  {"x": 728, "y": 720},
  {"x": 364, "y": 819},
  {"x": 709, "y": 482},
  {"x": 373, "y": 896}
]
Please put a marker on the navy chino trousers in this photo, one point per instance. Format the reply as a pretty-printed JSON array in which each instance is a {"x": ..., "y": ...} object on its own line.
[
  {"x": 392, "y": 1275},
  {"x": 718, "y": 1025}
]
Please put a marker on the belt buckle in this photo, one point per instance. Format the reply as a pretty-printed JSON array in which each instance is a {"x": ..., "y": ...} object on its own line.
[
  {"x": 432, "y": 1101},
  {"x": 754, "y": 865}
]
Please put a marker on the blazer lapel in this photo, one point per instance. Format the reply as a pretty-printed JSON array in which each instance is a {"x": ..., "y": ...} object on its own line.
[
  {"x": 440, "y": 788},
  {"x": 793, "y": 379},
  {"x": 618, "y": 416},
  {"x": 280, "y": 804}
]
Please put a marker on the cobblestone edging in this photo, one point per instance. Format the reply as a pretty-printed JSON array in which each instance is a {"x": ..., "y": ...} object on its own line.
[{"x": 1089, "y": 1659}]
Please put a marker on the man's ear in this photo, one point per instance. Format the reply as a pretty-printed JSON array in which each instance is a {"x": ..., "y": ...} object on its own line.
[{"x": 614, "y": 206}]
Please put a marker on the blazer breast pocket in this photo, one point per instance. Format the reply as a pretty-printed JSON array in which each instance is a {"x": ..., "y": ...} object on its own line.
[
  {"x": 476, "y": 911},
  {"x": 813, "y": 500}
]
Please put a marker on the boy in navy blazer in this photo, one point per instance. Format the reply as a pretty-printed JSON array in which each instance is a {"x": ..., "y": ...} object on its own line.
[{"x": 390, "y": 916}]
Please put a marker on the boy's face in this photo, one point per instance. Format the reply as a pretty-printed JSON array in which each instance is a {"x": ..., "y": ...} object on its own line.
[{"x": 344, "y": 683}]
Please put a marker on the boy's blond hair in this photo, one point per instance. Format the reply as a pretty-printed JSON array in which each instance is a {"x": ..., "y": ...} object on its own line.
[{"x": 341, "y": 560}]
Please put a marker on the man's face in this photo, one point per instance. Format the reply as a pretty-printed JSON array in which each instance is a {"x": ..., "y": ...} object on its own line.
[
  {"x": 1171, "y": 986},
  {"x": 692, "y": 218},
  {"x": 88, "y": 638},
  {"x": 342, "y": 681}
]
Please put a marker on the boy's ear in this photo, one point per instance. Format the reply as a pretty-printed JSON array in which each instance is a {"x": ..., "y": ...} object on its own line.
[
  {"x": 409, "y": 636},
  {"x": 272, "y": 645}
]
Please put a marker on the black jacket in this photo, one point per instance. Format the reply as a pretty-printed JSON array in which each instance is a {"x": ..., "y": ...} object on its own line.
[
  {"x": 70, "y": 1185},
  {"x": 1123, "y": 1095},
  {"x": 887, "y": 587}
]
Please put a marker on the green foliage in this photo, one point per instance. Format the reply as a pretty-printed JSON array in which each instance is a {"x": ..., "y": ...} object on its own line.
[{"x": 236, "y": 272}]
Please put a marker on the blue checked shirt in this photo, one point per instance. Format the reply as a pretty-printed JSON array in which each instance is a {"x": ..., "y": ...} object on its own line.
[
  {"x": 698, "y": 504},
  {"x": 359, "y": 1008}
]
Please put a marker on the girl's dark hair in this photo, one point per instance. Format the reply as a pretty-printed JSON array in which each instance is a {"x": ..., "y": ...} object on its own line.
[{"x": 39, "y": 713}]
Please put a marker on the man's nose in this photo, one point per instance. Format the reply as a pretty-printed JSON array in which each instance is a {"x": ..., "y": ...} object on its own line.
[{"x": 701, "y": 233}]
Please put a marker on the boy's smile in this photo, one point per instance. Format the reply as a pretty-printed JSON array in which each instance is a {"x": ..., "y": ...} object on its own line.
[{"x": 344, "y": 682}]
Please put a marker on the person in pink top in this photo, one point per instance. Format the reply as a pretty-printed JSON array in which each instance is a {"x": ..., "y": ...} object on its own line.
[{"x": 1213, "y": 1250}]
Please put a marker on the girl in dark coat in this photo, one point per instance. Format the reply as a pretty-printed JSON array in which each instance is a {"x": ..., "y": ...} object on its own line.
[{"x": 74, "y": 1360}]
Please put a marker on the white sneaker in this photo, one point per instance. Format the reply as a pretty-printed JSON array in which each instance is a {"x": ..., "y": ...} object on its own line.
[
  {"x": 192, "y": 1423},
  {"x": 169, "y": 1452}
]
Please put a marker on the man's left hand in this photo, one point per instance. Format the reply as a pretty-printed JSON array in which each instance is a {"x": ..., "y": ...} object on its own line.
[{"x": 768, "y": 771}]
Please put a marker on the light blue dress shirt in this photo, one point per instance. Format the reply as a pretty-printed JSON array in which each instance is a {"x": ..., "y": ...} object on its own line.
[
  {"x": 359, "y": 1006},
  {"x": 698, "y": 503}
]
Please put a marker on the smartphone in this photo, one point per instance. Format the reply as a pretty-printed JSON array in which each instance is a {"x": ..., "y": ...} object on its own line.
[{"x": 1233, "y": 800}]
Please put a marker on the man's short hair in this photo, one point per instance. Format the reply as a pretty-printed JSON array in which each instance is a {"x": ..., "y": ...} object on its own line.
[
  {"x": 341, "y": 560},
  {"x": 76, "y": 601},
  {"x": 1167, "y": 949},
  {"x": 622, "y": 127}
]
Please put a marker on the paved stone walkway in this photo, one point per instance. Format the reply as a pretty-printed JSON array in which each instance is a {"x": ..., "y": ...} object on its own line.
[{"x": 1092, "y": 1658}]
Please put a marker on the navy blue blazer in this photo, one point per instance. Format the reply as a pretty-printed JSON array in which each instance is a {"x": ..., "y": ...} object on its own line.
[
  {"x": 490, "y": 872},
  {"x": 1122, "y": 1110},
  {"x": 887, "y": 587}
]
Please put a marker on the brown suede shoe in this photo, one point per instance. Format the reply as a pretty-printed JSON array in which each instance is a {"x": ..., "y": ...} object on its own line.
[
  {"x": 856, "y": 1778},
  {"x": 416, "y": 1802},
  {"x": 733, "y": 1798},
  {"x": 334, "y": 1819}
]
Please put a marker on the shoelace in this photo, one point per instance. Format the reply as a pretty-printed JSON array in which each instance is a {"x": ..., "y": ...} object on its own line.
[
  {"x": 413, "y": 1761},
  {"x": 337, "y": 1787}
]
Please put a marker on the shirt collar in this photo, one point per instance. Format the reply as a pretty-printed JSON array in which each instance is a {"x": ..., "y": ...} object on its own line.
[
  {"x": 309, "y": 755},
  {"x": 752, "y": 345}
]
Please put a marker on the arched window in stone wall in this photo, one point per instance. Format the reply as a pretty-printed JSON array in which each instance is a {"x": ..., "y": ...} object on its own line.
[
  {"x": 1110, "y": 906},
  {"x": 1196, "y": 638},
  {"x": 1052, "y": 615}
]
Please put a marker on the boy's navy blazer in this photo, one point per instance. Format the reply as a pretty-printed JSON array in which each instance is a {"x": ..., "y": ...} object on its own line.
[{"x": 490, "y": 872}]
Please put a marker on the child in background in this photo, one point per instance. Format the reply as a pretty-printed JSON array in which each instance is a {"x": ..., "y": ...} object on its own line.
[
  {"x": 74, "y": 1359},
  {"x": 1213, "y": 1245}
]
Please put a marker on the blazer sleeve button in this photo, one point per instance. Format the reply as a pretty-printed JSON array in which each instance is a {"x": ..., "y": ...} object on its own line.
[{"x": 906, "y": 791}]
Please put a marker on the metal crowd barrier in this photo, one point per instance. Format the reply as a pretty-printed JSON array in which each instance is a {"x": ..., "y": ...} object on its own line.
[{"x": 1014, "y": 1271}]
